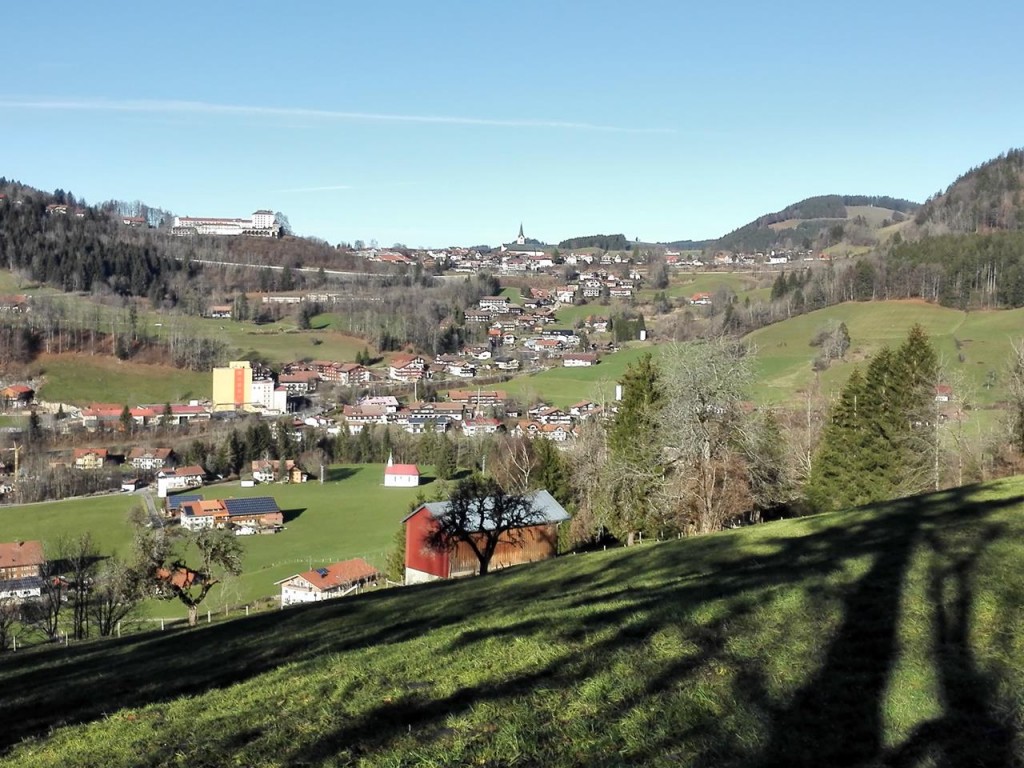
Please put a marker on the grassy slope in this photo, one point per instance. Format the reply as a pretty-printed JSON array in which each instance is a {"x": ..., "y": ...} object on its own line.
[
  {"x": 81, "y": 379},
  {"x": 784, "y": 354},
  {"x": 350, "y": 515},
  {"x": 888, "y": 635},
  {"x": 565, "y": 386}
]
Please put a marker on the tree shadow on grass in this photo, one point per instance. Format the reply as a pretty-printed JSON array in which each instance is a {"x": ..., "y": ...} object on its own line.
[
  {"x": 596, "y": 613},
  {"x": 336, "y": 474}
]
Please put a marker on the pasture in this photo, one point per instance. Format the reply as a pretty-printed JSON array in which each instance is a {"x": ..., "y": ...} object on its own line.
[{"x": 350, "y": 515}]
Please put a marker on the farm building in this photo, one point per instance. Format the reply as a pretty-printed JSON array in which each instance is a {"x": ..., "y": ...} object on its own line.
[
  {"x": 256, "y": 514},
  {"x": 334, "y": 580},
  {"x": 535, "y": 542},
  {"x": 21, "y": 564}
]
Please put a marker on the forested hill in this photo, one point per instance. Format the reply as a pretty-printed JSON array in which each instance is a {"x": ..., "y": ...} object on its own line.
[
  {"x": 817, "y": 223},
  {"x": 78, "y": 247},
  {"x": 985, "y": 198},
  {"x": 604, "y": 242}
]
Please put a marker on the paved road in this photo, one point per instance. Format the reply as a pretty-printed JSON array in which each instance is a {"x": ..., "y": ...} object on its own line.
[{"x": 155, "y": 517}]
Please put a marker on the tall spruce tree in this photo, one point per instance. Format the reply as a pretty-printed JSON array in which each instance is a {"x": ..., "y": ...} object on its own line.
[
  {"x": 880, "y": 440},
  {"x": 634, "y": 476}
]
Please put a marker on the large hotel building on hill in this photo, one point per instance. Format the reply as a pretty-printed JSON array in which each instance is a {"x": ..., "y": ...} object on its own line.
[{"x": 260, "y": 224}]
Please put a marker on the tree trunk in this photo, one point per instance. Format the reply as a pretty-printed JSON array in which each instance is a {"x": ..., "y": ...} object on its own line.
[{"x": 193, "y": 615}]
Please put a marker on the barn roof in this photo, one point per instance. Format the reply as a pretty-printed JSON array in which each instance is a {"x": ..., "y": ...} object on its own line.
[{"x": 549, "y": 510}]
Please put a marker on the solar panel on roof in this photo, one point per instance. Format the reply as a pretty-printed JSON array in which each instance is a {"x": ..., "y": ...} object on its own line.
[
  {"x": 322, "y": 572},
  {"x": 256, "y": 505},
  {"x": 175, "y": 502}
]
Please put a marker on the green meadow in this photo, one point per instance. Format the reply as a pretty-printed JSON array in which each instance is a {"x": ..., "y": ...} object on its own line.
[
  {"x": 350, "y": 515},
  {"x": 889, "y": 635},
  {"x": 564, "y": 386},
  {"x": 973, "y": 347},
  {"x": 82, "y": 379}
]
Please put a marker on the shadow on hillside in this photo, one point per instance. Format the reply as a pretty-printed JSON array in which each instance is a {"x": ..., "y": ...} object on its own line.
[{"x": 835, "y": 718}]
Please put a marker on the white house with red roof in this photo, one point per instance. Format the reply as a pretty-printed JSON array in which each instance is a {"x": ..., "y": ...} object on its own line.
[
  {"x": 401, "y": 475},
  {"x": 334, "y": 580}
]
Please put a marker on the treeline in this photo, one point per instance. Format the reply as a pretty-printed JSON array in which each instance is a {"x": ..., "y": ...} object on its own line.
[
  {"x": 604, "y": 242},
  {"x": 430, "y": 317},
  {"x": 54, "y": 327},
  {"x": 964, "y": 271}
]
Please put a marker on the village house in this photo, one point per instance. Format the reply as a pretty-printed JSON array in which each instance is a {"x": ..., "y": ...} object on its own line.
[
  {"x": 701, "y": 298},
  {"x": 407, "y": 368},
  {"x": 21, "y": 569},
  {"x": 329, "y": 582},
  {"x": 358, "y": 416},
  {"x": 89, "y": 458},
  {"x": 480, "y": 426},
  {"x": 219, "y": 311},
  {"x": 179, "y": 479},
  {"x": 505, "y": 363},
  {"x": 477, "y": 398},
  {"x": 538, "y": 541},
  {"x": 494, "y": 304},
  {"x": 299, "y": 383},
  {"x": 268, "y": 471},
  {"x": 16, "y": 396},
  {"x": 579, "y": 360},
  {"x": 353, "y": 373},
  {"x": 149, "y": 459}
]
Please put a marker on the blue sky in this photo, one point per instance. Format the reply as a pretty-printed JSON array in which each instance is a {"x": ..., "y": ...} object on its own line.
[{"x": 447, "y": 123}]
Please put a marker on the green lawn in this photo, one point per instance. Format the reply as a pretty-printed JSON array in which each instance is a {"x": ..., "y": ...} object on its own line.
[
  {"x": 884, "y": 636},
  {"x": 565, "y": 386}
]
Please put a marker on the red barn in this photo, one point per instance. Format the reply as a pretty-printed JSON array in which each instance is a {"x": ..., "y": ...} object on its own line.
[{"x": 422, "y": 563}]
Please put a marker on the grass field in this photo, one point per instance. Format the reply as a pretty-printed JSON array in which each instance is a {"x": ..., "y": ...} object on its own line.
[
  {"x": 565, "y": 386},
  {"x": 884, "y": 636},
  {"x": 82, "y": 379},
  {"x": 784, "y": 355},
  {"x": 350, "y": 515}
]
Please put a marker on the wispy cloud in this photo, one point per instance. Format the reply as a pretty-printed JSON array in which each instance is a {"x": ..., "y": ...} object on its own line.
[
  {"x": 330, "y": 188},
  {"x": 206, "y": 108}
]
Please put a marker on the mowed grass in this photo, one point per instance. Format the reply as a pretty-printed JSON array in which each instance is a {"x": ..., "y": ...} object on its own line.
[
  {"x": 784, "y": 354},
  {"x": 350, "y": 515},
  {"x": 883, "y": 636},
  {"x": 81, "y": 379},
  {"x": 565, "y": 386}
]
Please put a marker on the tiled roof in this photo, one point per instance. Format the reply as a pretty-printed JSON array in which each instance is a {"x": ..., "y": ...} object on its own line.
[
  {"x": 340, "y": 574},
  {"x": 16, "y": 554}
]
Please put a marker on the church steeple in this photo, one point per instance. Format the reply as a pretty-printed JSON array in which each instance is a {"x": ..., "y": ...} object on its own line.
[{"x": 521, "y": 239}]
